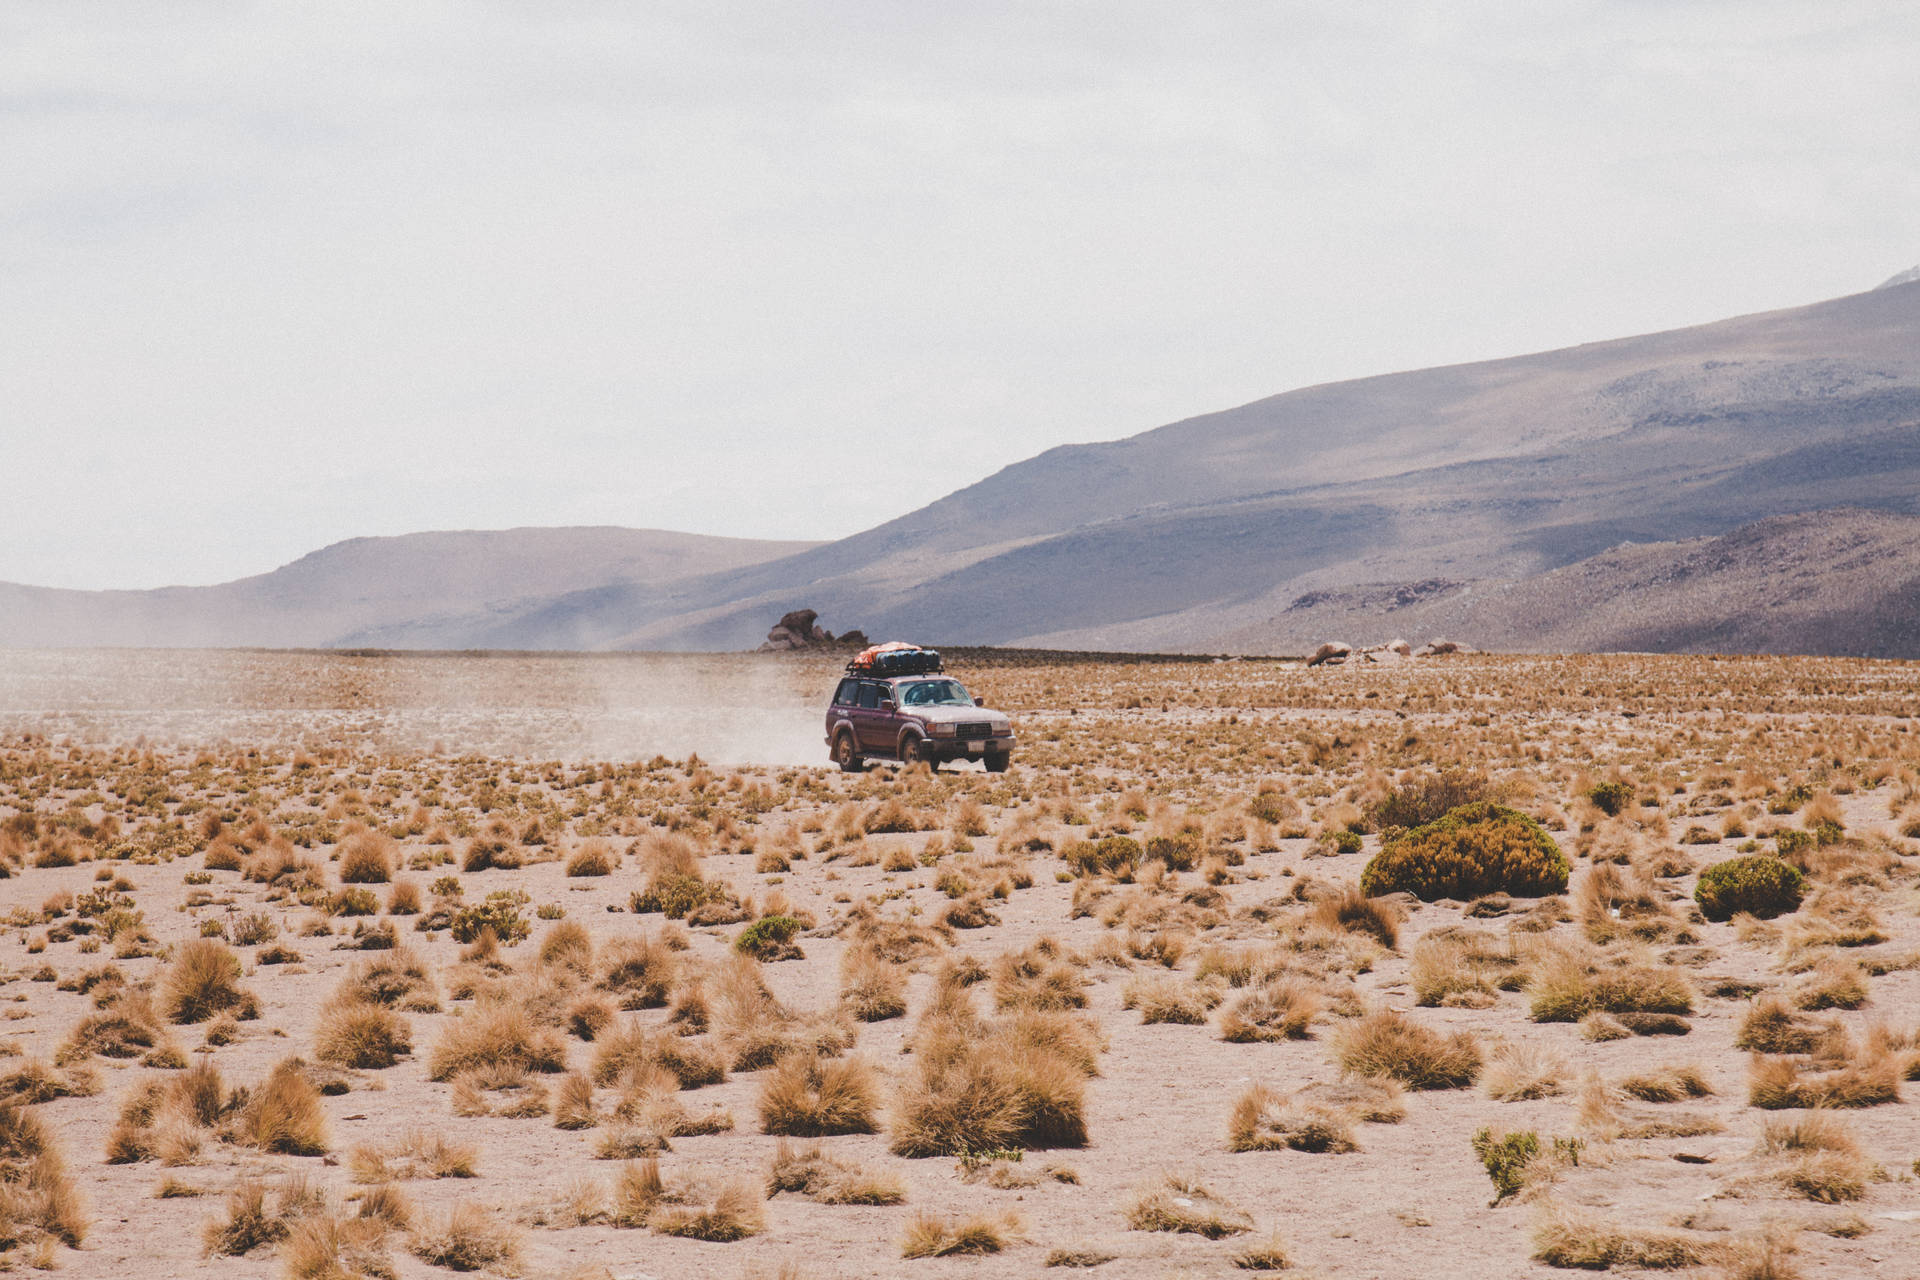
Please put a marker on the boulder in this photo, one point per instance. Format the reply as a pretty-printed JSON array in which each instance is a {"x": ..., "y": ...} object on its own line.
[
  {"x": 1332, "y": 652},
  {"x": 1400, "y": 647},
  {"x": 801, "y": 629},
  {"x": 799, "y": 622}
]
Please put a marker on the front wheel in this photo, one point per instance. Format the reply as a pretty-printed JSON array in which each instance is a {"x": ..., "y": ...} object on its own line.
[
  {"x": 997, "y": 762},
  {"x": 914, "y": 751},
  {"x": 846, "y": 755}
]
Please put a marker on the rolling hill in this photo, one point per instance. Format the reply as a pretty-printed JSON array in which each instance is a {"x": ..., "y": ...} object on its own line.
[{"x": 1616, "y": 494}]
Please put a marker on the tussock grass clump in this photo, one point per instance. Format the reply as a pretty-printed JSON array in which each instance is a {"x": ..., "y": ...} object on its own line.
[
  {"x": 1181, "y": 1204},
  {"x": 328, "y": 1246},
  {"x": 932, "y": 1236},
  {"x": 1168, "y": 998},
  {"x": 1038, "y": 977},
  {"x": 756, "y": 1030},
  {"x": 367, "y": 857},
  {"x": 1520, "y": 1071},
  {"x": 1778, "y": 1084},
  {"x": 204, "y": 980},
  {"x": 284, "y": 1114},
  {"x": 1769, "y": 1026},
  {"x": 1823, "y": 1159},
  {"x": 257, "y": 1215},
  {"x": 417, "y": 1153},
  {"x": 1263, "y": 1120},
  {"x": 568, "y": 946},
  {"x": 1386, "y": 1043},
  {"x": 1474, "y": 850},
  {"x": 1833, "y": 984},
  {"x": 38, "y": 1200},
  {"x": 641, "y": 971},
  {"x": 1354, "y": 912},
  {"x": 814, "y": 1097},
  {"x": 495, "y": 1036},
  {"x": 701, "y": 1208},
  {"x": 356, "y": 1034},
  {"x": 872, "y": 988},
  {"x": 811, "y": 1172},
  {"x": 1017, "y": 1081},
  {"x": 1270, "y": 1254},
  {"x": 1281, "y": 1008},
  {"x": 1421, "y": 798},
  {"x": 575, "y": 1108},
  {"x": 1460, "y": 970},
  {"x": 1567, "y": 986},
  {"x": 399, "y": 978},
  {"x": 469, "y": 1238},
  {"x": 166, "y": 1119},
  {"x": 1668, "y": 1084},
  {"x": 1564, "y": 1237},
  {"x": 592, "y": 858}
]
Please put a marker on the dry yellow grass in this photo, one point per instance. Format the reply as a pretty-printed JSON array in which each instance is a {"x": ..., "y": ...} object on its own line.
[{"x": 135, "y": 872}]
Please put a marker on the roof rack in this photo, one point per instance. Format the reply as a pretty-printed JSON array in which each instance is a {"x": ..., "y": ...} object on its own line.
[{"x": 895, "y": 659}]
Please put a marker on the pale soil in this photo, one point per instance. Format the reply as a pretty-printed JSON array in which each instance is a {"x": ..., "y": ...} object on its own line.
[{"x": 1412, "y": 1202}]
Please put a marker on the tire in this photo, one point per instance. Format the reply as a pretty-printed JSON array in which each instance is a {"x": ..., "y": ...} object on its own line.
[
  {"x": 997, "y": 762},
  {"x": 913, "y": 750},
  {"x": 846, "y": 755}
]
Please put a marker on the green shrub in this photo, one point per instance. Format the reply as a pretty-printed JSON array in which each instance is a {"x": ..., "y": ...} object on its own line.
[
  {"x": 1506, "y": 1159},
  {"x": 767, "y": 937},
  {"x": 1474, "y": 850},
  {"x": 1344, "y": 841},
  {"x": 500, "y": 913},
  {"x": 1759, "y": 885},
  {"x": 1180, "y": 853},
  {"x": 1610, "y": 798},
  {"x": 675, "y": 896},
  {"x": 1790, "y": 842},
  {"x": 1115, "y": 855},
  {"x": 356, "y": 902}
]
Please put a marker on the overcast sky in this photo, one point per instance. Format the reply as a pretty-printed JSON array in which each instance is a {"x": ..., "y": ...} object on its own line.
[{"x": 273, "y": 275}]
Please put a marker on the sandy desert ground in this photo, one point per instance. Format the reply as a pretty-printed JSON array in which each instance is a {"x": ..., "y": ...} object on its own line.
[{"x": 326, "y": 964}]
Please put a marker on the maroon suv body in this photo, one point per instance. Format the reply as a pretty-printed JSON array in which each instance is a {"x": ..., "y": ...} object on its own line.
[{"x": 909, "y": 718}]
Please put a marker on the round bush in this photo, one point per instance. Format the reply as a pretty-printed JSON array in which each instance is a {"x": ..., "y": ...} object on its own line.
[
  {"x": 1473, "y": 850},
  {"x": 1757, "y": 884}
]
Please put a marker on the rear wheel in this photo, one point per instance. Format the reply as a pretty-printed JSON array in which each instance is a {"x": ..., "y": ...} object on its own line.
[
  {"x": 997, "y": 761},
  {"x": 846, "y": 755}
]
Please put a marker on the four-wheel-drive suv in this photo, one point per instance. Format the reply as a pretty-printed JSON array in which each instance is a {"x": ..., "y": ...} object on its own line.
[{"x": 925, "y": 716}]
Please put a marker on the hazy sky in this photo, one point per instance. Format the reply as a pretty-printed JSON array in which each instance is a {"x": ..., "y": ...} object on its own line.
[{"x": 273, "y": 275}]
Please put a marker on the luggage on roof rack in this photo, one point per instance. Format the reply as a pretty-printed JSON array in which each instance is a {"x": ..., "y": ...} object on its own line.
[{"x": 895, "y": 658}]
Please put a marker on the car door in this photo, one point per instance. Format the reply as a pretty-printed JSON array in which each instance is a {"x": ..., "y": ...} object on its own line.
[{"x": 870, "y": 723}]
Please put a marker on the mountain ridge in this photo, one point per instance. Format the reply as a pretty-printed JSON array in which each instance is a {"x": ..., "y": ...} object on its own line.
[{"x": 1487, "y": 474}]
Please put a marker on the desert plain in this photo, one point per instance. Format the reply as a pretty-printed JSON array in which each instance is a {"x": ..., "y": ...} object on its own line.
[{"x": 331, "y": 964}]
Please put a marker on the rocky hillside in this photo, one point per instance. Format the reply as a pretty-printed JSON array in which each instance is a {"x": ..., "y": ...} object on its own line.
[{"x": 1418, "y": 491}]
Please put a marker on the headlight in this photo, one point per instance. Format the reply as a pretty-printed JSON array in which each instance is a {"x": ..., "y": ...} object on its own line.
[{"x": 942, "y": 730}]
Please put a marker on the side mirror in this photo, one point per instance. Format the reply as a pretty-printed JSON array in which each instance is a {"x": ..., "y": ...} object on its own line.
[
  {"x": 886, "y": 704},
  {"x": 979, "y": 702}
]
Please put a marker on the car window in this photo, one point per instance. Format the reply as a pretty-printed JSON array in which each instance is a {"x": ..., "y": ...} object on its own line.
[
  {"x": 870, "y": 696},
  {"x": 847, "y": 694},
  {"x": 937, "y": 693}
]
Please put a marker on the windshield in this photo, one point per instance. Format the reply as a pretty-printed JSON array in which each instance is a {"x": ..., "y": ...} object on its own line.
[{"x": 935, "y": 693}]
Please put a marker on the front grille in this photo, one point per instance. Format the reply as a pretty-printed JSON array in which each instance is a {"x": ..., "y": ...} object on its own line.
[{"x": 981, "y": 730}]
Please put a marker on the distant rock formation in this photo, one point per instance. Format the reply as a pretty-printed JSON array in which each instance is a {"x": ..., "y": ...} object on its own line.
[
  {"x": 1334, "y": 653},
  {"x": 800, "y": 629},
  {"x": 1331, "y": 653}
]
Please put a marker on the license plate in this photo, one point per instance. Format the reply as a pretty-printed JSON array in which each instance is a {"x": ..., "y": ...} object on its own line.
[{"x": 977, "y": 745}]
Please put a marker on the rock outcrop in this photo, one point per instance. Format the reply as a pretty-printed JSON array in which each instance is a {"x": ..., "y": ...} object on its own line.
[{"x": 800, "y": 629}]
